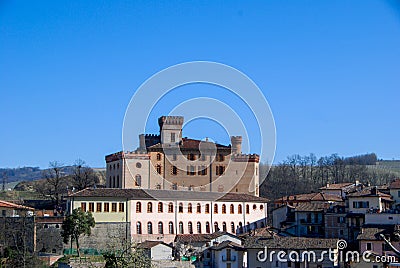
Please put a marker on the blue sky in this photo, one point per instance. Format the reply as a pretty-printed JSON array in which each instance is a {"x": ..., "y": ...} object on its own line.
[{"x": 329, "y": 70}]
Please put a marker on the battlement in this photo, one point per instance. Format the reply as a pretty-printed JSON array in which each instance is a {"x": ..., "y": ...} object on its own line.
[
  {"x": 170, "y": 120},
  {"x": 246, "y": 158},
  {"x": 126, "y": 155}
]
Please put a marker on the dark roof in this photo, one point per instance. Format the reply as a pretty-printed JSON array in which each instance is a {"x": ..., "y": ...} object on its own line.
[
  {"x": 281, "y": 242},
  {"x": 191, "y": 144},
  {"x": 373, "y": 231},
  {"x": 58, "y": 220},
  {"x": 150, "y": 244},
  {"x": 167, "y": 195},
  {"x": 311, "y": 197},
  {"x": 337, "y": 186},
  {"x": 191, "y": 238},
  {"x": 370, "y": 192},
  {"x": 312, "y": 206},
  {"x": 227, "y": 244}
]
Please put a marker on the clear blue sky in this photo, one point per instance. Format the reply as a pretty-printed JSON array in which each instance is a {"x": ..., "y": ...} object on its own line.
[{"x": 330, "y": 71}]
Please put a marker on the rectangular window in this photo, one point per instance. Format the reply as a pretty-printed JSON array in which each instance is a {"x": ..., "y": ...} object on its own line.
[
  {"x": 172, "y": 137},
  {"x": 398, "y": 193},
  {"x": 106, "y": 207},
  {"x": 83, "y": 206},
  {"x": 113, "y": 207},
  {"x": 202, "y": 170},
  {"x": 3, "y": 213},
  {"x": 98, "y": 207},
  {"x": 91, "y": 207},
  {"x": 121, "y": 207},
  {"x": 369, "y": 246}
]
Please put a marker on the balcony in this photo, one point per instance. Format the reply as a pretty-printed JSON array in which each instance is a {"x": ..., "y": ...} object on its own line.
[{"x": 228, "y": 258}]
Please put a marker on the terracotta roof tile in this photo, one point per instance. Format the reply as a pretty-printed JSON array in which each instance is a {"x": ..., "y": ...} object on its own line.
[
  {"x": 395, "y": 184},
  {"x": 150, "y": 244},
  {"x": 279, "y": 242},
  {"x": 5, "y": 204}
]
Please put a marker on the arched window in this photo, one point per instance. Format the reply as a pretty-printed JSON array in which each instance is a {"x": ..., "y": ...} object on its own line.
[
  {"x": 138, "y": 180},
  {"x": 149, "y": 228},
  {"x": 190, "y": 208},
  {"x": 232, "y": 209},
  {"x": 223, "y": 209},
  {"x": 198, "y": 208},
  {"x": 160, "y": 207},
  {"x": 138, "y": 207},
  {"x": 181, "y": 227},
  {"x": 199, "y": 227},
  {"x": 160, "y": 228},
  {"x": 158, "y": 168},
  {"x": 190, "y": 227},
  {"x": 261, "y": 207},
  {"x": 224, "y": 226},
  {"x": 247, "y": 209},
  {"x": 149, "y": 207},
  {"x": 171, "y": 227},
  {"x": 240, "y": 209},
  {"x": 215, "y": 209},
  {"x": 170, "y": 207},
  {"x": 216, "y": 228},
  {"x": 233, "y": 228},
  {"x": 180, "y": 208},
  {"x": 220, "y": 158},
  {"x": 139, "y": 227},
  {"x": 254, "y": 206},
  {"x": 207, "y": 208},
  {"x": 207, "y": 227},
  {"x": 158, "y": 157}
]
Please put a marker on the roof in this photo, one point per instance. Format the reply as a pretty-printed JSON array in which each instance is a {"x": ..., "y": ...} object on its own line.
[
  {"x": 311, "y": 197},
  {"x": 192, "y": 238},
  {"x": 187, "y": 143},
  {"x": 373, "y": 231},
  {"x": 58, "y": 220},
  {"x": 5, "y": 204},
  {"x": 337, "y": 186},
  {"x": 312, "y": 206},
  {"x": 150, "y": 244},
  {"x": 371, "y": 192},
  {"x": 281, "y": 242},
  {"x": 227, "y": 244},
  {"x": 140, "y": 194},
  {"x": 395, "y": 184}
]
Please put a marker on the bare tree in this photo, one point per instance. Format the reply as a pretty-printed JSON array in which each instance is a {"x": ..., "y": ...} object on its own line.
[
  {"x": 55, "y": 182},
  {"x": 83, "y": 175}
]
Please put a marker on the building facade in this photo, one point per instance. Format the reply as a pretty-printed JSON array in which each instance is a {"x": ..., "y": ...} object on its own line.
[{"x": 169, "y": 162}]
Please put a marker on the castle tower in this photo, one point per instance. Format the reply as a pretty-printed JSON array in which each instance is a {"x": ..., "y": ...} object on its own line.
[
  {"x": 170, "y": 129},
  {"x": 236, "y": 142}
]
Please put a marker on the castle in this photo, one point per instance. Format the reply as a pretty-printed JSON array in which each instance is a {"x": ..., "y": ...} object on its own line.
[{"x": 167, "y": 161}]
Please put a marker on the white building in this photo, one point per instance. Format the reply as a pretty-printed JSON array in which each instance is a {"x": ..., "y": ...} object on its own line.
[
  {"x": 161, "y": 214},
  {"x": 157, "y": 250}
]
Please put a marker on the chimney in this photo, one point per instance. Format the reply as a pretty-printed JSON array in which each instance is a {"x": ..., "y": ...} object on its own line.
[{"x": 374, "y": 190}]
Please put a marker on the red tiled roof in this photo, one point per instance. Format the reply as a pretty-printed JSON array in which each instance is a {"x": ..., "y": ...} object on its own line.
[
  {"x": 395, "y": 184},
  {"x": 370, "y": 191},
  {"x": 337, "y": 186},
  {"x": 5, "y": 204},
  {"x": 191, "y": 144},
  {"x": 150, "y": 244},
  {"x": 311, "y": 197}
]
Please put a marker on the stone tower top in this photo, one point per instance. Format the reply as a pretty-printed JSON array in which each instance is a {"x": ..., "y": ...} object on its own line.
[{"x": 170, "y": 129}]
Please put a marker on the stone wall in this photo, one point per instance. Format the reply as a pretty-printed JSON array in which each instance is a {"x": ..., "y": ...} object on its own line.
[
  {"x": 106, "y": 236},
  {"x": 18, "y": 233}
]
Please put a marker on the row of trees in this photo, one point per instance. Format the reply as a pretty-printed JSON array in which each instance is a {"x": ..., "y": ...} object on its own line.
[
  {"x": 304, "y": 174},
  {"x": 57, "y": 182}
]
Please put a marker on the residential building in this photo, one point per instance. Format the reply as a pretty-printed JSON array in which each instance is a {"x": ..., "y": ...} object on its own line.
[
  {"x": 161, "y": 214},
  {"x": 157, "y": 250},
  {"x": 227, "y": 254},
  {"x": 341, "y": 189},
  {"x": 9, "y": 209}
]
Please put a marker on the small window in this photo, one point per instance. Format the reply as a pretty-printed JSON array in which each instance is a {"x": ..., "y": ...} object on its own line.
[
  {"x": 223, "y": 209},
  {"x": 138, "y": 207},
  {"x": 191, "y": 157},
  {"x": 172, "y": 137},
  {"x": 149, "y": 228},
  {"x": 160, "y": 207},
  {"x": 190, "y": 208},
  {"x": 171, "y": 227},
  {"x": 98, "y": 207},
  {"x": 198, "y": 208},
  {"x": 138, "y": 228},
  {"x": 207, "y": 227},
  {"x": 174, "y": 157},
  {"x": 174, "y": 170},
  {"x": 158, "y": 168},
  {"x": 160, "y": 228},
  {"x": 240, "y": 209},
  {"x": 254, "y": 207},
  {"x": 180, "y": 208},
  {"x": 113, "y": 207},
  {"x": 215, "y": 209},
  {"x": 158, "y": 157},
  {"x": 190, "y": 227},
  {"x": 121, "y": 207},
  {"x": 207, "y": 209},
  {"x": 233, "y": 228},
  {"x": 369, "y": 246},
  {"x": 149, "y": 207},
  {"x": 199, "y": 227},
  {"x": 170, "y": 207},
  {"x": 83, "y": 206},
  {"x": 247, "y": 209},
  {"x": 181, "y": 227},
  {"x": 138, "y": 165},
  {"x": 91, "y": 207},
  {"x": 138, "y": 180},
  {"x": 107, "y": 207},
  {"x": 224, "y": 226},
  {"x": 216, "y": 228}
]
